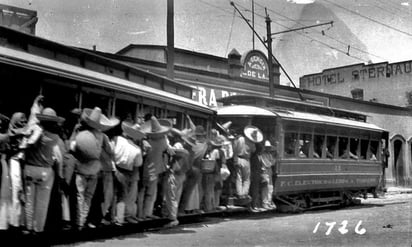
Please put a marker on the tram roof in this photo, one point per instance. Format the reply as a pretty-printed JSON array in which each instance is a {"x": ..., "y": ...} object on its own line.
[
  {"x": 246, "y": 110},
  {"x": 308, "y": 105},
  {"x": 49, "y": 66}
]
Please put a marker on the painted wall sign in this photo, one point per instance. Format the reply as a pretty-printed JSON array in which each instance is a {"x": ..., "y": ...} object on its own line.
[
  {"x": 255, "y": 65},
  {"x": 355, "y": 74},
  {"x": 209, "y": 96}
]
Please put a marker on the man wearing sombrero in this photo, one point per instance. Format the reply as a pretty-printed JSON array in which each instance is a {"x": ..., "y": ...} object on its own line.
[
  {"x": 127, "y": 158},
  {"x": 42, "y": 153},
  {"x": 154, "y": 164},
  {"x": 87, "y": 147},
  {"x": 243, "y": 148}
]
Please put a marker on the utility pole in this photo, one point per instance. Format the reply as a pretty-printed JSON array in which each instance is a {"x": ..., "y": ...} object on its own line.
[
  {"x": 270, "y": 61},
  {"x": 253, "y": 23},
  {"x": 170, "y": 39}
]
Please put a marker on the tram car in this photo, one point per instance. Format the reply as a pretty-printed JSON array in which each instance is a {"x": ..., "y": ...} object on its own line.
[{"x": 325, "y": 156}]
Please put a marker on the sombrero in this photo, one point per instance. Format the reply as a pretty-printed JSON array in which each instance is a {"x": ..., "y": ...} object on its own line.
[
  {"x": 199, "y": 131},
  {"x": 17, "y": 124},
  {"x": 225, "y": 127},
  {"x": 76, "y": 111},
  {"x": 253, "y": 133},
  {"x": 3, "y": 117},
  {"x": 49, "y": 115},
  {"x": 154, "y": 128},
  {"x": 96, "y": 120},
  {"x": 218, "y": 141},
  {"x": 186, "y": 135},
  {"x": 165, "y": 122},
  {"x": 132, "y": 130}
]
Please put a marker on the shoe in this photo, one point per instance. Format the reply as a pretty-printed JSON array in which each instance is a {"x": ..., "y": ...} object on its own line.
[
  {"x": 91, "y": 225},
  {"x": 172, "y": 224},
  {"x": 198, "y": 211},
  {"x": 152, "y": 217},
  {"x": 131, "y": 220},
  {"x": 253, "y": 209},
  {"x": 105, "y": 222}
]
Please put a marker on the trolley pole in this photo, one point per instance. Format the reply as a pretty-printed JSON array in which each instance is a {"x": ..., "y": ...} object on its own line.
[
  {"x": 270, "y": 61},
  {"x": 170, "y": 40}
]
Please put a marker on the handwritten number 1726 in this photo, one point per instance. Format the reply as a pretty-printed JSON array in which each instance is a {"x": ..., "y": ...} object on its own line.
[{"x": 343, "y": 229}]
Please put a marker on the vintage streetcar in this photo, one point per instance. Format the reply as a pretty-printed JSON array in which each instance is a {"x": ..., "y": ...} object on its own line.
[{"x": 325, "y": 156}]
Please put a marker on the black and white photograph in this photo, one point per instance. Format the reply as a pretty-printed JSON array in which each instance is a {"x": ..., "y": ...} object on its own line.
[{"x": 206, "y": 123}]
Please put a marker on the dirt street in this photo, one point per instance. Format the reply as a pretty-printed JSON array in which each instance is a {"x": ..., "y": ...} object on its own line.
[{"x": 377, "y": 222}]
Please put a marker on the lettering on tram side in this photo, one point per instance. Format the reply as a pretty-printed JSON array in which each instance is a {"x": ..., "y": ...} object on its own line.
[
  {"x": 305, "y": 182},
  {"x": 343, "y": 229}
]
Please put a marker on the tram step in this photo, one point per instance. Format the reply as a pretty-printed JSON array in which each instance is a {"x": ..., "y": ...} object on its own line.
[{"x": 326, "y": 199}]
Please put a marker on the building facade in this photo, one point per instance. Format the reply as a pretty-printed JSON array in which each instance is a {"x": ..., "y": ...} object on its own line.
[
  {"x": 388, "y": 83},
  {"x": 216, "y": 77}
]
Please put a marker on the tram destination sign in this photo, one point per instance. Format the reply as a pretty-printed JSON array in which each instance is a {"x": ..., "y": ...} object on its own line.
[{"x": 255, "y": 66}]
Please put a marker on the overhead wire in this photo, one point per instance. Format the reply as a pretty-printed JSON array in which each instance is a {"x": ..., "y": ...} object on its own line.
[
  {"x": 320, "y": 42},
  {"x": 227, "y": 11},
  {"x": 325, "y": 34},
  {"x": 369, "y": 18}
]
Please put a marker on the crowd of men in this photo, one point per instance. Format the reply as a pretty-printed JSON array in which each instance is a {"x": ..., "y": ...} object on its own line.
[{"x": 108, "y": 171}]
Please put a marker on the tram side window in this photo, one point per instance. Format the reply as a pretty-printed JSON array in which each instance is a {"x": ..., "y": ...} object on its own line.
[
  {"x": 343, "y": 145},
  {"x": 305, "y": 142},
  {"x": 345, "y": 151},
  {"x": 373, "y": 154},
  {"x": 330, "y": 146},
  {"x": 317, "y": 146},
  {"x": 364, "y": 149},
  {"x": 353, "y": 148},
  {"x": 290, "y": 144}
]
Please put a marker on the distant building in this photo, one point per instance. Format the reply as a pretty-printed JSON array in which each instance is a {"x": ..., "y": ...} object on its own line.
[{"x": 388, "y": 83}]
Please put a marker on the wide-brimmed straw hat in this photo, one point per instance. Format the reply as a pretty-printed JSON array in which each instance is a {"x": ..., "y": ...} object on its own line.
[
  {"x": 199, "y": 131},
  {"x": 3, "y": 117},
  {"x": 154, "y": 128},
  {"x": 132, "y": 130},
  {"x": 253, "y": 133},
  {"x": 225, "y": 126},
  {"x": 49, "y": 115},
  {"x": 17, "y": 124},
  {"x": 186, "y": 135},
  {"x": 95, "y": 119},
  {"x": 218, "y": 141}
]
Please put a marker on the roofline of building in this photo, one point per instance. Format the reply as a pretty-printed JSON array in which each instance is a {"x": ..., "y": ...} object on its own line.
[
  {"x": 355, "y": 65},
  {"x": 84, "y": 53},
  {"x": 226, "y": 76},
  {"x": 177, "y": 67},
  {"x": 179, "y": 50}
]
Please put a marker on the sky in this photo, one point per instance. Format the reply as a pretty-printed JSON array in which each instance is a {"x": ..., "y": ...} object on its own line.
[{"x": 369, "y": 31}]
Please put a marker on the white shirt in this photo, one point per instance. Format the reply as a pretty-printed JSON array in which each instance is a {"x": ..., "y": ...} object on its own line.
[{"x": 127, "y": 155}]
